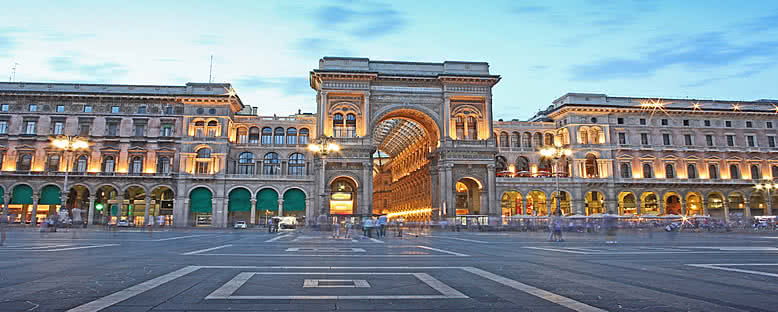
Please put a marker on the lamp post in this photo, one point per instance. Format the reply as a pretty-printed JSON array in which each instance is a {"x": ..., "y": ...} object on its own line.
[
  {"x": 69, "y": 144},
  {"x": 556, "y": 153},
  {"x": 323, "y": 146},
  {"x": 767, "y": 186}
]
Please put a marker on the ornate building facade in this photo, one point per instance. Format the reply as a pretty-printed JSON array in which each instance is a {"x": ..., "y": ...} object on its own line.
[{"x": 416, "y": 140}]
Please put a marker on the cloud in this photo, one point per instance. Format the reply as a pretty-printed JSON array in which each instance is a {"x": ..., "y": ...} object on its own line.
[
  {"x": 290, "y": 86},
  {"x": 764, "y": 23},
  {"x": 530, "y": 9},
  {"x": 98, "y": 72},
  {"x": 371, "y": 21},
  {"x": 751, "y": 70},
  {"x": 705, "y": 51}
]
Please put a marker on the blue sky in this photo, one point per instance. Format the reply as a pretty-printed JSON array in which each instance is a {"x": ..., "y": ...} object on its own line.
[{"x": 543, "y": 49}]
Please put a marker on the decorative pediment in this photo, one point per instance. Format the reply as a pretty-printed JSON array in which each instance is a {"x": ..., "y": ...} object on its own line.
[
  {"x": 624, "y": 156},
  {"x": 166, "y": 150},
  {"x": 467, "y": 110},
  {"x": 670, "y": 157},
  {"x": 692, "y": 157},
  {"x": 136, "y": 149},
  {"x": 25, "y": 147},
  {"x": 345, "y": 107},
  {"x": 713, "y": 158},
  {"x": 648, "y": 157}
]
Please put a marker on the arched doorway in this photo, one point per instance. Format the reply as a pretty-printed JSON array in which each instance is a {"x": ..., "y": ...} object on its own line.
[
  {"x": 694, "y": 204},
  {"x": 736, "y": 203},
  {"x": 161, "y": 209},
  {"x": 591, "y": 169},
  {"x": 200, "y": 207},
  {"x": 511, "y": 203},
  {"x": 49, "y": 202},
  {"x": 343, "y": 196},
  {"x": 564, "y": 203},
  {"x": 649, "y": 204},
  {"x": 536, "y": 203},
  {"x": 672, "y": 203},
  {"x": 106, "y": 205},
  {"x": 758, "y": 204},
  {"x": 627, "y": 204},
  {"x": 20, "y": 206},
  {"x": 133, "y": 208},
  {"x": 594, "y": 203},
  {"x": 468, "y": 200},
  {"x": 294, "y": 203},
  {"x": 76, "y": 209},
  {"x": 239, "y": 206},
  {"x": 716, "y": 206},
  {"x": 267, "y": 204}
]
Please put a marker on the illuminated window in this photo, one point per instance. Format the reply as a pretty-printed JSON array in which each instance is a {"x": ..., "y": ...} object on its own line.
[
  {"x": 734, "y": 171},
  {"x": 691, "y": 171},
  {"x": 472, "y": 125},
  {"x": 213, "y": 128},
  {"x": 24, "y": 163},
  {"x": 756, "y": 173},
  {"x": 351, "y": 125},
  {"x": 648, "y": 172},
  {"x": 199, "y": 127},
  {"x": 669, "y": 171},
  {"x": 108, "y": 164},
  {"x": 52, "y": 164},
  {"x": 243, "y": 135},
  {"x": 337, "y": 125},
  {"x": 713, "y": 171},
  {"x": 460, "y": 125},
  {"x": 136, "y": 166},
  {"x": 3, "y": 127}
]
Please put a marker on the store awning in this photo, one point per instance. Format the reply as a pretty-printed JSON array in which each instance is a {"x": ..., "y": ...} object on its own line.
[
  {"x": 294, "y": 200},
  {"x": 268, "y": 200},
  {"x": 240, "y": 200},
  {"x": 22, "y": 195},
  {"x": 50, "y": 195},
  {"x": 200, "y": 200}
]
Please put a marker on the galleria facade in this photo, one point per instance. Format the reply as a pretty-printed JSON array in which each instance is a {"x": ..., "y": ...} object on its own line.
[{"x": 416, "y": 140}]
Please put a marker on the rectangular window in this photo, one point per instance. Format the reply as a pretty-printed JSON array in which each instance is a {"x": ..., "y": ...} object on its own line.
[
  {"x": 769, "y": 125},
  {"x": 751, "y": 141},
  {"x": 643, "y": 121},
  {"x": 664, "y": 122},
  {"x": 166, "y": 130},
  {"x": 33, "y": 107},
  {"x": 707, "y": 123},
  {"x": 686, "y": 122},
  {"x": 644, "y": 138},
  {"x": 728, "y": 123},
  {"x": 83, "y": 129},
  {"x": 749, "y": 124},
  {"x": 666, "y": 139},
  {"x": 709, "y": 139},
  {"x": 140, "y": 130},
  {"x": 771, "y": 143},
  {"x": 3, "y": 127},
  {"x": 114, "y": 109},
  {"x": 87, "y": 108},
  {"x": 687, "y": 138},
  {"x": 622, "y": 138},
  {"x": 4, "y": 107},
  {"x": 29, "y": 127},
  {"x": 60, "y": 108},
  {"x": 730, "y": 140},
  {"x": 59, "y": 127},
  {"x": 141, "y": 109},
  {"x": 113, "y": 129},
  {"x": 620, "y": 120}
]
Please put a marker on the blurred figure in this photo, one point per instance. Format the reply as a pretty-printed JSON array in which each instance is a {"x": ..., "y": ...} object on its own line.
[
  {"x": 609, "y": 223},
  {"x": 381, "y": 226}
]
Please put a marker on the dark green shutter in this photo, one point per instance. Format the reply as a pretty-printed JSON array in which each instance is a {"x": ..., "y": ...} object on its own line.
[
  {"x": 2, "y": 195},
  {"x": 240, "y": 200},
  {"x": 294, "y": 200},
  {"x": 268, "y": 200},
  {"x": 114, "y": 210},
  {"x": 22, "y": 195},
  {"x": 50, "y": 195},
  {"x": 200, "y": 200}
]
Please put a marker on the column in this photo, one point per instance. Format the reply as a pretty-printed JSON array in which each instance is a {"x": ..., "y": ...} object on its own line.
[
  {"x": 320, "y": 128},
  {"x": 253, "y": 210},
  {"x": 446, "y": 119},
  {"x": 222, "y": 212},
  {"x": 704, "y": 204},
  {"x": 578, "y": 206},
  {"x": 484, "y": 204},
  {"x": 280, "y": 207},
  {"x": 451, "y": 202},
  {"x": 638, "y": 209},
  {"x": 186, "y": 209},
  {"x": 6, "y": 198},
  {"x": 366, "y": 115},
  {"x": 367, "y": 179},
  {"x": 492, "y": 183},
  {"x": 443, "y": 191},
  {"x": 309, "y": 210},
  {"x": 34, "y": 215},
  {"x": 91, "y": 212},
  {"x": 146, "y": 210},
  {"x": 725, "y": 203},
  {"x": 119, "y": 205},
  {"x": 746, "y": 209},
  {"x": 549, "y": 209}
]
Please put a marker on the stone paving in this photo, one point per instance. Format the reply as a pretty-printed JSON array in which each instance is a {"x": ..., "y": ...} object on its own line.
[{"x": 211, "y": 270}]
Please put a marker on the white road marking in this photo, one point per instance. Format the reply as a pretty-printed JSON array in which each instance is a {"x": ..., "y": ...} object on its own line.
[
  {"x": 128, "y": 293},
  {"x": 377, "y": 240},
  {"x": 537, "y": 292},
  {"x": 174, "y": 238},
  {"x": 325, "y": 249},
  {"x": 719, "y": 267},
  {"x": 82, "y": 247},
  {"x": 561, "y": 250},
  {"x": 321, "y": 255},
  {"x": 444, "y": 251},
  {"x": 461, "y": 239},
  {"x": 316, "y": 283},
  {"x": 197, "y": 252},
  {"x": 354, "y": 241},
  {"x": 738, "y": 248},
  {"x": 277, "y": 238},
  {"x": 668, "y": 251}
]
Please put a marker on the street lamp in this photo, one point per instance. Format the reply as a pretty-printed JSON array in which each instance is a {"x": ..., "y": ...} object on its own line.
[
  {"x": 323, "y": 146},
  {"x": 69, "y": 144},
  {"x": 556, "y": 153},
  {"x": 767, "y": 186}
]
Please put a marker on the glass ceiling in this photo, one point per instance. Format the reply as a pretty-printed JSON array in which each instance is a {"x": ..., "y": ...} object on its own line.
[{"x": 394, "y": 135}]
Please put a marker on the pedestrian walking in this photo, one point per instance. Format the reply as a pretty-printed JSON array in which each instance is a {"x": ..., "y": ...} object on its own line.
[
  {"x": 382, "y": 226},
  {"x": 270, "y": 225},
  {"x": 348, "y": 226}
]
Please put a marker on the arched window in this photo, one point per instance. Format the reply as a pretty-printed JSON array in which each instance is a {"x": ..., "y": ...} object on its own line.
[
  {"x": 472, "y": 126},
  {"x": 199, "y": 128},
  {"x": 204, "y": 153},
  {"x": 351, "y": 125},
  {"x": 522, "y": 164},
  {"x": 713, "y": 171},
  {"x": 669, "y": 171},
  {"x": 338, "y": 126},
  {"x": 296, "y": 164},
  {"x": 538, "y": 139},
  {"x": 626, "y": 170},
  {"x": 590, "y": 166},
  {"x": 755, "y": 172},
  {"x": 254, "y": 135},
  {"x": 648, "y": 172},
  {"x": 734, "y": 172},
  {"x": 243, "y": 135},
  {"x": 303, "y": 137},
  {"x": 203, "y": 161},
  {"x": 52, "y": 164},
  {"x": 271, "y": 164},
  {"x": 267, "y": 136},
  {"x": 594, "y": 135},
  {"x": 460, "y": 125},
  {"x": 213, "y": 128},
  {"x": 109, "y": 164},
  {"x": 775, "y": 172},
  {"x": 549, "y": 139},
  {"x": 583, "y": 135},
  {"x": 291, "y": 136},
  {"x": 691, "y": 171},
  {"x": 136, "y": 166},
  {"x": 515, "y": 139},
  {"x": 163, "y": 165},
  {"x": 526, "y": 139},
  {"x": 81, "y": 163},
  {"x": 504, "y": 140},
  {"x": 279, "y": 136},
  {"x": 246, "y": 163},
  {"x": 24, "y": 163}
]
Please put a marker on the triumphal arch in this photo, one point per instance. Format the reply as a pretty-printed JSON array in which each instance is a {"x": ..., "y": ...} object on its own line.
[{"x": 415, "y": 138}]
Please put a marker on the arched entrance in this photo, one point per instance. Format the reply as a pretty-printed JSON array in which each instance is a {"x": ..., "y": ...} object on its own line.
[
  {"x": 564, "y": 203},
  {"x": 627, "y": 204},
  {"x": 468, "y": 200},
  {"x": 694, "y": 204},
  {"x": 343, "y": 196},
  {"x": 736, "y": 203},
  {"x": 20, "y": 206},
  {"x": 594, "y": 203},
  {"x": 672, "y": 203},
  {"x": 106, "y": 205},
  {"x": 716, "y": 206},
  {"x": 267, "y": 204},
  {"x": 200, "y": 207},
  {"x": 536, "y": 203},
  {"x": 511, "y": 204},
  {"x": 294, "y": 203},
  {"x": 649, "y": 204},
  {"x": 133, "y": 208},
  {"x": 77, "y": 207},
  {"x": 239, "y": 206},
  {"x": 161, "y": 209},
  {"x": 49, "y": 202},
  {"x": 758, "y": 203}
]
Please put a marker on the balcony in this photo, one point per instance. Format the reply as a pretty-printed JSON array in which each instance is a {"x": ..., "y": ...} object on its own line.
[{"x": 279, "y": 177}]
